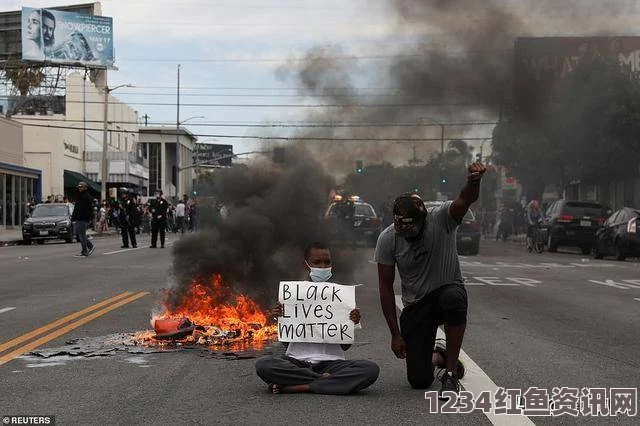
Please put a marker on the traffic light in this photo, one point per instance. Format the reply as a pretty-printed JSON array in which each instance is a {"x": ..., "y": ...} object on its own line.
[
  {"x": 443, "y": 180},
  {"x": 278, "y": 154},
  {"x": 359, "y": 166}
]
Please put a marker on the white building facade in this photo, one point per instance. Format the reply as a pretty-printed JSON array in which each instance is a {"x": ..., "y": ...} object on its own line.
[
  {"x": 66, "y": 143},
  {"x": 159, "y": 148}
]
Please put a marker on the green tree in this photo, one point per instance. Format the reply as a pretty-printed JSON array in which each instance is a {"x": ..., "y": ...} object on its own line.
[{"x": 588, "y": 131}]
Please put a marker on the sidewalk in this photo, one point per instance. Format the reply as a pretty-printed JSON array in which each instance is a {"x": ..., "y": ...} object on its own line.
[{"x": 12, "y": 237}]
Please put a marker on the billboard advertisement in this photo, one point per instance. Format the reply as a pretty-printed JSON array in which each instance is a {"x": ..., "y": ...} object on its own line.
[
  {"x": 542, "y": 63},
  {"x": 210, "y": 153},
  {"x": 53, "y": 36}
]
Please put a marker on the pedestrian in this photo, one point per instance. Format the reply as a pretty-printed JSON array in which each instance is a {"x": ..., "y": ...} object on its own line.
[
  {"x": 193, "y": 216},
  {"x": 158, "y": 207},
  {"x": 181, "y": 215},
  {"x": 82, "y": 215},
  {"x": 103, "y": 222},
  {"x": 316, "y": 367},
  {"x": 422, "y": 246},
  {"x": 128, "y": 218}
]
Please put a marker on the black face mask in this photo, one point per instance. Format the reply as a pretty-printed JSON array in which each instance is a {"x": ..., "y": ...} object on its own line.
[{"x": 410, "y": 232}]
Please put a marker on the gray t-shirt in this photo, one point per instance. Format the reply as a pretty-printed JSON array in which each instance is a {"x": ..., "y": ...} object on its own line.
[{"x": 427, "y": 264}]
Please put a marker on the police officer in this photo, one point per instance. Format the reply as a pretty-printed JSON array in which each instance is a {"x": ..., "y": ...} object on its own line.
[
  {"x": 128, "y": 218},
  {"x": 158, "y": 209}
]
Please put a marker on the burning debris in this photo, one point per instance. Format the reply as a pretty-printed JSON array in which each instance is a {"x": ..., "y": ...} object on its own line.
[{"x": 209, "y": 314}]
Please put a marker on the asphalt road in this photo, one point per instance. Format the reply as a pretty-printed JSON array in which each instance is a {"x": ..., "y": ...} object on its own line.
[{"x": 550, "y": 320}]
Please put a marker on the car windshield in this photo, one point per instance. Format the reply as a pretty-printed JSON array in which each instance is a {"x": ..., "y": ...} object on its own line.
[
  {"x": 47, "y": 211},
  {"x": 364, "y": 210},
  {"x": 584, "y": 209}
]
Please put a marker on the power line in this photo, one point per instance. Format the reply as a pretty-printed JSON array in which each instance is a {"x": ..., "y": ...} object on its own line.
[
  {"x": 275, "y": 138},
  {"x": 425, "y": 55},
  {"x": 395, "y": 105},
  {"x": 274, "y": 124}
]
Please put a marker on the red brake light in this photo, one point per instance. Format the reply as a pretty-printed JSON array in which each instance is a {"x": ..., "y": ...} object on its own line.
[{"x": 565, "y": 218}]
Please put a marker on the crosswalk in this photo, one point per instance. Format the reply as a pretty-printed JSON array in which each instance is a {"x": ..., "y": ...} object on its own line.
[{"x": 3, "y": 310}]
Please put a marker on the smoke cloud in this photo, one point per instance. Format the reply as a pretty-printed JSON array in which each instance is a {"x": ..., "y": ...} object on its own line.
[
  {"x": 275, "y": 211},
  {"x": 454, "y": 64}
]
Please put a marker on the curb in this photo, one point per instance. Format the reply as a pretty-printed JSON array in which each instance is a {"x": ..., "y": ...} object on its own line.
[{"x": 19, "y": 242}]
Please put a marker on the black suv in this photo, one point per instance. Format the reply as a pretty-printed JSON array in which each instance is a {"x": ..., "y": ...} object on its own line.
[
  {"x": 49, "y": 221},
  {"x": 574, "y": 224}
]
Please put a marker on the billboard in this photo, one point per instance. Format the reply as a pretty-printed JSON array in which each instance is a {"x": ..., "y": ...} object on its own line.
[
  {"x": 53, "y": 36},
  {"x": 209, "y": 153},
  {"x": 542, "y": 63}
]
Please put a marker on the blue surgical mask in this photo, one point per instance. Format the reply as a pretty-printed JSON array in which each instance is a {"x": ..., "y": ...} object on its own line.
[{"x": 319, "y": 275}]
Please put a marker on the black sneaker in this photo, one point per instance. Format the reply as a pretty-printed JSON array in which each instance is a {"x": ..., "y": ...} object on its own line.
[
  {"x": 441, "y": 348},
  {"x": 450, "y": 383}
]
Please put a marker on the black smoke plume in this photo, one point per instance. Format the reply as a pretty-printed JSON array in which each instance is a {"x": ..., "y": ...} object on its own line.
[{"x": 275, "y": 211}]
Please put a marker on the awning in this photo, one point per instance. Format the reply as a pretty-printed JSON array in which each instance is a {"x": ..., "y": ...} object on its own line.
[{"x": 71, "y": 180}]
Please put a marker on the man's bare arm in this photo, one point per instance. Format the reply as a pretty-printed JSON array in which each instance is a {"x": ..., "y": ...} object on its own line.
[
  {"x": 386, "y": 276},
  {"x": 469, "y": 193}
]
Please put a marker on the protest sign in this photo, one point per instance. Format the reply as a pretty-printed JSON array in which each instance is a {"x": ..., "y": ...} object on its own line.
[{"x": 316, "y": 312}]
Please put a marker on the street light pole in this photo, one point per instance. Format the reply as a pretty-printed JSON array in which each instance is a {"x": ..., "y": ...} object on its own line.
[
  {"x": 178, "y": 137},
  {"x": 105, "y": 146}
]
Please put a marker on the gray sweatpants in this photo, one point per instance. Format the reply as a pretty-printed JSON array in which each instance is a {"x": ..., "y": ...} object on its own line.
[{"x": 345, "y": 376}]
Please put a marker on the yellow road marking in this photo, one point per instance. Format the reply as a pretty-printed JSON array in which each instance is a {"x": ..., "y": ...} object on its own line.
[
  {"x": 56, "y": 323},
  {"x": 44, "y": 339}
]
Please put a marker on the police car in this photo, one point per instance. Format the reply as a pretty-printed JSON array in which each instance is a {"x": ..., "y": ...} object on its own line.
[{"x": 350, "y": 219}]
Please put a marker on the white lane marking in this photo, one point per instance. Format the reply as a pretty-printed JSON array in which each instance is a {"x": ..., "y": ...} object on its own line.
[
  {"x": 477, "y": 381},
  {"x": 610, "y": 283},
  {"x": 132, "y": 249},
  {"x": 120, "y": 251},
  {"x": 637, "y": 298},
  {"x": 3, "y": 310}
]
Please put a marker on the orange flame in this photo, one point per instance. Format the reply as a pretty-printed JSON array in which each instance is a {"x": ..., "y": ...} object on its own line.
[{"x": 226, "y": 316}]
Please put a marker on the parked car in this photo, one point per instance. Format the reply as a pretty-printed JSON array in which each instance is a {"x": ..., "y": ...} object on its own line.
[
  {"x": 619, "y": 236},
  {"x": 574, "y": 224},
  {"x": 353, "y": 220},
  {"x": 49, "y": 221},
  {"x": 468, "y": 233}
]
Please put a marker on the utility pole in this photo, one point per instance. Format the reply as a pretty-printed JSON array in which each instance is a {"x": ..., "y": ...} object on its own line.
[
  {"x": 146, "y": 119},
  {"x": 105, "y": 167},
  {"x": 178, "y": 137}
]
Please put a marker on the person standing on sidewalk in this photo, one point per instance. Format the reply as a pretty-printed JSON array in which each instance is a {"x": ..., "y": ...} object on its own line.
[
  {"x": 181, "y": 212},
  {"x": 158, "y": 208},
  {"x": 82, "y": 216},
  {"x": 423, "y": 247}
]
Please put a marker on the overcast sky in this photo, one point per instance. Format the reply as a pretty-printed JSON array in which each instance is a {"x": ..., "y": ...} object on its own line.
[{"x": 229, "y": 50}]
